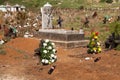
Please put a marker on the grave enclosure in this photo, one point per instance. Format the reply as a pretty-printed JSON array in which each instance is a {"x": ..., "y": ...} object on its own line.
[{"x": 61, "y": 37}]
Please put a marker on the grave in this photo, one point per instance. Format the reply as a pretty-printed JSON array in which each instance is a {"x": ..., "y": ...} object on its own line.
[
  {"x": 64, "y": 38},
  {"x": 61, "y": 37}
]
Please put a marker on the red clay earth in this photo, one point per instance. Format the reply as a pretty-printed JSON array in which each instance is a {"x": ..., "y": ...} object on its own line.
[{"x": 20, "y": 64}]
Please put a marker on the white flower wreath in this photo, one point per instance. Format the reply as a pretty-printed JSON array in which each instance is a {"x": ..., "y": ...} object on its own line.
[{"x": 48, "y": 52}]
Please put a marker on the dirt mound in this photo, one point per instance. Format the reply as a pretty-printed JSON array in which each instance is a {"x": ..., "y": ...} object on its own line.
[{"x": 20, "y": 64}]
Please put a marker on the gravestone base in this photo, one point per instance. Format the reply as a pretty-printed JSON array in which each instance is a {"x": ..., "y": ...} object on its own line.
[
  {"x": 71, "y": 44},
  {"x": 64, "y": 38}
]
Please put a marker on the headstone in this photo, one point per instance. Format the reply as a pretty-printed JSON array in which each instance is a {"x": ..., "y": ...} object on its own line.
[
  {"x": 81, "y": 31},
  {"x": 46, "y": 11}
]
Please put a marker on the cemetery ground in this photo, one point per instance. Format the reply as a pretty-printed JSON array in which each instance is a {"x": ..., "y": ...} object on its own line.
[{"x": 19, "y": 63}]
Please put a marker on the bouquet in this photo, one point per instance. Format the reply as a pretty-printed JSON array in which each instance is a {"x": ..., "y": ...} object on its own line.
[
  {"x": 48, "y": 52},
  {"x": 94, "y": 44}
]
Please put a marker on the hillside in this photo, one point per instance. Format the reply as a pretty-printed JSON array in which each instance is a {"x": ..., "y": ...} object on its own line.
[{"x": 36, "y": 4}]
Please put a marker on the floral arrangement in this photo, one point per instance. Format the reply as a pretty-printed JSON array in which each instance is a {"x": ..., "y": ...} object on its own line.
[
  {"x": 94, "y": 44},
  {"x": 48, "y": 52}
]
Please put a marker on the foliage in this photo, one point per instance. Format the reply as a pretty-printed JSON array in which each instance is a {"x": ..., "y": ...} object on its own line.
[
  {"x": 118, "y": 47},
  {"x": 115, "y": 27},
  {"x": 109, "y": 1},
  {"x": 47, "y": 52},
  {"x": 39, "y": 3},
  {"x": 2, "y": 1}
]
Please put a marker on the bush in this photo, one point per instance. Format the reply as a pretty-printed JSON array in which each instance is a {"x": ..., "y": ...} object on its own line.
[
  {"x": 109, "y": 1},
  {"x": 117, "y": 48},
  {"x": 115, "y": 28}
]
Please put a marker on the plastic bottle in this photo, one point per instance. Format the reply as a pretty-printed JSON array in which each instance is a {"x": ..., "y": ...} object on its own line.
[
  {"x": 51, "y": 70},
  {"x": 97, "y": 59}
]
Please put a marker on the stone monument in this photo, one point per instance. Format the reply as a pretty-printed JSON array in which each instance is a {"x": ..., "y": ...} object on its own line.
[
  {"x": 62, "y": 37},
  {"x": 46, "y": 11}
]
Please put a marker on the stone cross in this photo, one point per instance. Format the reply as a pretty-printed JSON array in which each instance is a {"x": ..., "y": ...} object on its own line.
[{"x": 46, "y": 11}]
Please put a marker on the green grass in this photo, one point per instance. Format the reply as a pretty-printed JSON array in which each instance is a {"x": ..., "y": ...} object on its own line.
[{"x": 56, "y": 3}]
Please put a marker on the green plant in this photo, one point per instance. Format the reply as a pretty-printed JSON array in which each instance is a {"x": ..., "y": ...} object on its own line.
[
  {"x": 117, "y": 48},
  {"x": 115, "y": 27},
  {"x": 2, "y": 1},
  {"x": 109, "y": 1}
]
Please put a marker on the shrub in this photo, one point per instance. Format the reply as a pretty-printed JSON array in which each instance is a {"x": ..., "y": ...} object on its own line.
[
  {"x": 109, "y": 1},
  {"x": 117, "y": 48}
]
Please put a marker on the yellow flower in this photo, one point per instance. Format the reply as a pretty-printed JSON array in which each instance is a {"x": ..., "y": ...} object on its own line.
[
  {"x": 95, "y": 37},
  {"x": 99, "y": 49},
  {"x": 94, "y": 49}
]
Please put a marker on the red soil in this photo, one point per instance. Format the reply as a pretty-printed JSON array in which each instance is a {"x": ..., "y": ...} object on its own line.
[{"x": 20, "y": 64}]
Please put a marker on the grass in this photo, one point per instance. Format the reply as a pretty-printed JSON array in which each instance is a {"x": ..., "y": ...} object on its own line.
[
  {"x": 36, "y": 4},
  {"x": 2, "y": 51}
]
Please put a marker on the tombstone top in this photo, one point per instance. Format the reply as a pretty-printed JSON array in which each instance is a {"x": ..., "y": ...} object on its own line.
[
  {"x": 17, "y": 5},
  {"x": 47, "y": 5},
  {"x": 22, "y": 6}
]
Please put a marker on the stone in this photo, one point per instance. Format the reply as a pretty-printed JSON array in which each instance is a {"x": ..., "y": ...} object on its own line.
[
  {"x": 46, "y": 11},
  {"x": 64, "y": 38}
]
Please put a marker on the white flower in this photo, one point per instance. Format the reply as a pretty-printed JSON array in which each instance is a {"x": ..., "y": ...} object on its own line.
[
  {"x": 34, "y": 24},
  {"x": 54, "y": 50},
  {"x": 49, "y": 47},
  {"x": 52, "y": 60},
  {"x": 1, "y": 42},
  {"x": 25, "y": 26},
  {"x": 26, "y": 36},
  {"x": 52, "y": 55},
  {"x": 55, "y": 57},
  {"x": 92, "y": 39},
  {"x": 53, "y": 44},
  {"x": 47, "y": 40},
  {"x": 44, "y": 44},
  {"x": 27, "y": 33},
  {"x": 45, "y": 51},
  {"x": 98, "y": 43},
  {"x": 87, "y": 58},
  {"x": 16, "y": 30},
  {"x": 20, "y": 26},
  {"x": 27, "y": 23},
  {"x": 46, "y": 61},
  {"x": 43, "y": 60}
]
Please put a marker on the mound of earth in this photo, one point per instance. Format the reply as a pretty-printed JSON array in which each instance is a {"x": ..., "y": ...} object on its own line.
[{"x": 19, "y": 63}]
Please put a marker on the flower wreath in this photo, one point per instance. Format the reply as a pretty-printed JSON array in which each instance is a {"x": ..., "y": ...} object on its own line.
[
  {"x": 48, "y": 52},
  {"x": 94, "y": 44}
]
